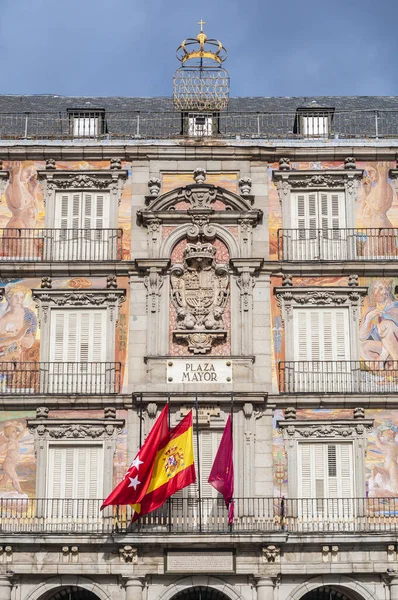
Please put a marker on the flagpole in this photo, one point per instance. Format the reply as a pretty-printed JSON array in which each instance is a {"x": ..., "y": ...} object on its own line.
[
  {"x": 169, "y": 499},
  {"x": 198, "y": 460},
  {"x": 232, "y": 436},
  {"x": 140, "y": 419}
]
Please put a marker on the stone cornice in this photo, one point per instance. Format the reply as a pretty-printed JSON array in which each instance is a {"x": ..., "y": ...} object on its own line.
[
  {"x": 320, "y": 296},
  {"x": 250, "y": 265},
  {"x": 147, "y": 264},
  {"x": 316, "y": 179},
  {"x": 325, "y": 429},
  {"x": 108, "y": 298},
  {"x": 103, "y": 179},
  {"x": 75, "y": 429}
]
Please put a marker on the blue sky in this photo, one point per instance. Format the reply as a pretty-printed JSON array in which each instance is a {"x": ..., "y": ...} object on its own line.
[{"x": 127, "y": 47}]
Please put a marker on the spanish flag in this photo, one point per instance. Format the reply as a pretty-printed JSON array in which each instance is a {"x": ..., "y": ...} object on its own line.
[{"x": 173, "y": 469}]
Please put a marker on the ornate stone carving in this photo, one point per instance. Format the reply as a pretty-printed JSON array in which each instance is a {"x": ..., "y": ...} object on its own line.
[
  {"x": 46, "y": 283},
  {"x": 245, "y": 186},
  {"x": 199, "y": 175},
  {"x": 112, "y": 299},
  {"x": 154, "y": 185},
  {"x": 246, "y": 283},
  {"x": 109, "y": 412},
  {"x": 111, "y": 282},
  {"x": 359, "y": 412},
  {"x": 201, "y": 228},
  {"x": 287, "y": 280},
  {"x": 290, "y": 413},
  {"x": 284, "y": 164},
  {"x": 153, "y": 283},
  {"x": 325, "y": 429},
  {"x": 115, "y": 164},
  {"x": 42, "y": 412},
  {"x": 128, "y": 554},
  {"x": 50, "y": 164},
  {"x": 6, "y": 553},
  {"x": 75, "y": 429},
  {"x": 199, "y": 293},
  {"x": 152, "y": 409},
  {"x": 247, "y": 409},
  {"x": 271, "y": 554},
  {"x": 200, "y": 197},
  {"x": 153, "y": 225},
  {"x": 349, "y": 163}
]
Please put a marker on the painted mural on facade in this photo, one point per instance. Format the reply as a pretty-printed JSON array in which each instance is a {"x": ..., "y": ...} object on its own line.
[
  {"x": 22, "y": 206},
  {"x": 17, "y": 455},
  {"x": 376, "y": 205}
]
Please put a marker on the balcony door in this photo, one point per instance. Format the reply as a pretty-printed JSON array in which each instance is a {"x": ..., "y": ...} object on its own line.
[
  {"x": 78, "y": 348},
  {"x": 321, "y": 350},
  {"x": 74, "y": 484},
  {"x": 82, "y": 221},
  {"x": 325, "y": 484},
  {"x": 318, "y": 222}
]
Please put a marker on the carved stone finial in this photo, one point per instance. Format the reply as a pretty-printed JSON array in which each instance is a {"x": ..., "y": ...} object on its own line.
[
  {"x": 46, "y": 283},
  {"x": 349, "y": 163},
  {"x": 290, "y": 413},
  {"x": 116, "y": 163},
  {"x": 50, "y": 164},
  {"x": 359, "y": 412},
  {"x": 271, "y": 553},
  {"x": 128, "y": 554},
  {"x": 111, "y": 282},
  {"x": 152, "y": 409},
  {"x": 42, "y": 412},
  {"x": 110, "y": 412},
  {"x": 284, "y": 164},
  {"x": 245, "y": 186},
  {"x": 287, "y": 280},
  {"x": 199, "y": 175},
  {"x": 154, "y": 185},
  {"x": 247, "y": 409},
  {"x": 353, "y": 280}
]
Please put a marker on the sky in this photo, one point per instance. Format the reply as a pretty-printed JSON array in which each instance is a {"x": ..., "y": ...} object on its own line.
[{"x": 127, "y": 47}]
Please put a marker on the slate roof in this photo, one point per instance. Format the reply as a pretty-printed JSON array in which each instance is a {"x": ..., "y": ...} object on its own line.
[{"x": 45, "y": 116}]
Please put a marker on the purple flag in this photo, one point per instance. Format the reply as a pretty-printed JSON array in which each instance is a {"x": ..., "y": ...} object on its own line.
[{"x": 222, "y": 471}]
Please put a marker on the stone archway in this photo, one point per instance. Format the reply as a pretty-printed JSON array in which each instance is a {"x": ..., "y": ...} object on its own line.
[
  {"x": 335, "y": 587},
  {"x": 50, "y": 588},
  {"x": 70, "y": 592},
  {"x": 216, "y": 588},
  {"x": 200, "y": 592},
  {"x": 331, "y": 593}
]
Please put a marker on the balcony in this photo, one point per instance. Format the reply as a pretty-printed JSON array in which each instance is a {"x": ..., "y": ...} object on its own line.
[
  {"x": 126, "y": 125},
  {"x": 60, "y": 378},
  {"x": 207, "y": 516},
  {"x": 338, "y": 244},
  {"x": 338, "y": 377},
  {"x": 60, "y": 245}
]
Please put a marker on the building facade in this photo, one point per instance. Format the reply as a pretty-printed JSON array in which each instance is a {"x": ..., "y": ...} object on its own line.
[{"x": 237, "y": 260}]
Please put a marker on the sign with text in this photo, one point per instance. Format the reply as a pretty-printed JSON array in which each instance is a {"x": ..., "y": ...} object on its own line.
[
  {"x": 219, "y": 561},
  {"x": 199, "y": 370}
]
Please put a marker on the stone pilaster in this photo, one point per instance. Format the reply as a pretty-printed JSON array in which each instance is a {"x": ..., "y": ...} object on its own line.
[
  {"x": 265, "y": 589},
  {"x": 133, "y": 587},
  {"x": 5, "y": 588}
]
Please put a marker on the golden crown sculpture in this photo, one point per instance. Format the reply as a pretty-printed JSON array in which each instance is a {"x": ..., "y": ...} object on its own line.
[
  {"x": 201, "y": 83},
  {"x": 201, "y": 48}
]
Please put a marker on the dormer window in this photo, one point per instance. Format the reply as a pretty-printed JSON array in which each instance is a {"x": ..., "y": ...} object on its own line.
[
  {"x": 200, "y": 124},
  {"x": 314, "y": 121},
  {"x": 86, "y": 123}
]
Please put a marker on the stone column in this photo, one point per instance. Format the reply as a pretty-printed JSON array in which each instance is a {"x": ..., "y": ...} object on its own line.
[
  {"x": 133, "y": 588},
  {"x": 5, "y": 588},
  {"x": 265, "y": 589},
  {"x": 394, "y": 588}
]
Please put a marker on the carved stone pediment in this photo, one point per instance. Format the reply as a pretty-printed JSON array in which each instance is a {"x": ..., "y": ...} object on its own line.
[
  {"x": 199, "y": 293},
  {"x": 328, "y": 429},
  {"x": 75, "y": 429},
  {"x": 109, "y": 298},
  {"x": 316, "y": 179},
  {"x": 111, "y": 180}
]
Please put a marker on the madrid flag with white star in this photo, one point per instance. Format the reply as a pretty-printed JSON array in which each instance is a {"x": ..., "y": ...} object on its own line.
[{"x": 163, "y": 466}]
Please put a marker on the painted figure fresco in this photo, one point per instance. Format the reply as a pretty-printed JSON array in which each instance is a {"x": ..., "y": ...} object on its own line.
[
  {"x": 377, "y": 197},
  {"x": 18, "y": 324},
  {"x": 21, "y": 196},
  {"x": 13, "y": 432},
  {"x": 379, "y": 329}
]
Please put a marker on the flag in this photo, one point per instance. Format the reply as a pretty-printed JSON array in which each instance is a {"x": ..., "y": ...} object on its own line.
[
  {"x": 135, "y": 482},
  {"x": 222, "y": 472},
  {"x": 173, "y": 469}
]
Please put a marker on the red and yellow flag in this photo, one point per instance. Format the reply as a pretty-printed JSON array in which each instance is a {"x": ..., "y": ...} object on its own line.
[{"x": 173, "y": 469}]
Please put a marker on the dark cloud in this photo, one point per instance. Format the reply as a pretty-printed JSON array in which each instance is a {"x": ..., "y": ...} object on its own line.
[{"x": 127, "y": 47}]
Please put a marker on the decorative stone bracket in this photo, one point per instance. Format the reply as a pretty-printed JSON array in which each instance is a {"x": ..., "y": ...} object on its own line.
[
  {"x": 128, "y": 554},
  {"x": 111, "y": 180},
  {"x": 246, "y": 270},
  {"x": 326, "y": 429},
  {"x": 271, "y": 554}
]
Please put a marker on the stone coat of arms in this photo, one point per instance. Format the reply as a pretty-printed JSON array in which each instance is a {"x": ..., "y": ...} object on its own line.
[{"x": 199, "y": 293}]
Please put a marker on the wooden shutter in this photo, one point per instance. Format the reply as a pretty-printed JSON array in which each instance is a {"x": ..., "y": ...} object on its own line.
[
  {"x": 304, "y": 211},
  {"x": 331, "y": 210},
  {"x": 209, "y": 442},
  {"x": 78, "y": 335},
  {"x": 75, "y": 471},
  {"x": 96, "y": 210},
  {"x": 325, "y": 470},
  {"x": 321, "y": 334},
  {"x": 67, "y": 210}
]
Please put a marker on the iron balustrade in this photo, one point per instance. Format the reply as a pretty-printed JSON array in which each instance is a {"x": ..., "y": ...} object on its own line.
[
  {"x": 60, "y": 378},
  {"x": 64, "y": 245},
  {"x": 370, "y": 243},
  {"x": 169, "y": 124},
  {"x": 338, "y": 376},
  {"x": 181, "y": 516}
]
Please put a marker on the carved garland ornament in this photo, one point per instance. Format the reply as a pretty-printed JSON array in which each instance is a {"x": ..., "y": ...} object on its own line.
[
  {"x": 199, "y": 294},
  {"x": 75, "y": 430},
  {"x": 113, "y": 299},
  {"x": 342, "y": 429}
]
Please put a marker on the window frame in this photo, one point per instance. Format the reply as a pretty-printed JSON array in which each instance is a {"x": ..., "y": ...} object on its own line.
[{"x": 91, "y": 116}]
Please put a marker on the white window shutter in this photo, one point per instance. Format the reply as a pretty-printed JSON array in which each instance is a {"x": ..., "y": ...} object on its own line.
[
  {"x": 325, "y": 470},
  {"x": 78, "y": 335},
  {"x": 332, "y": 210},
  {"x": 75, "y": 472},
  {"x": 304, "y": 210},
  {"x": 321, "y": 334},
  {"x": 305, "y": 472},
  {"x": 319, "y": 470},
  {"x": 67, "y": 210}
]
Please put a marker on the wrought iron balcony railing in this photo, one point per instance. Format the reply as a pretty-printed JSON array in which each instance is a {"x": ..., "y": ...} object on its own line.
[
  {"x": 60, "y": 378},
  {"x": 368, "y": 243},
  {"x": 338, "y": 377},
  {"x": 60, "y": 245},
  {"x": 162, "y": 125},
  {"x": 207, "y": 516}
]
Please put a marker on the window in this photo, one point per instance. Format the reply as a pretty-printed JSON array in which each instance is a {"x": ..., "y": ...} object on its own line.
[
  {"x": 314, "y": 121},
  {"x": 201, "y": 124},
  {"x": 74, "y": 482},
  {"x": 86, "y": 123},
  {"x": 82, "y": 221},
  {"x": 325, "y": 470},
  {"x": 78, "y": 347}
]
